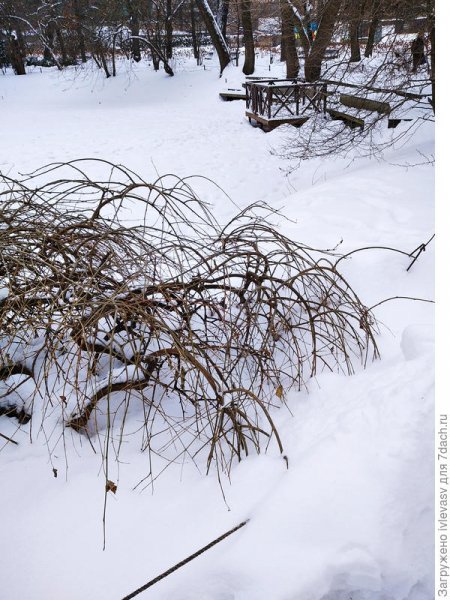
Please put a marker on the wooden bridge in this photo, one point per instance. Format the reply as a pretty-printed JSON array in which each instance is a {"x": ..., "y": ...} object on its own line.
[{"x": 274, "y": 102}]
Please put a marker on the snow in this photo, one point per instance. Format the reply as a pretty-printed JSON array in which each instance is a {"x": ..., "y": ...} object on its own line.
[
  {"x": 269, "y": 26},
  {"x": 352, "y": 515}
]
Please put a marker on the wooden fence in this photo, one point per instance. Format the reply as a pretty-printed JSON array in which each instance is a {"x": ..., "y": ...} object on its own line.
[{"x": 285, "y": 98}]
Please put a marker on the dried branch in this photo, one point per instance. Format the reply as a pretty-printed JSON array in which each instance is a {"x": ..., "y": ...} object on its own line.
[{"x": 206, "y": 327}]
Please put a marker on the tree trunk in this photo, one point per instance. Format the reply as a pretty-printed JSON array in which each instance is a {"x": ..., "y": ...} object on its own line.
[
  {"x": 101, "y": 59},
  {"x": 222, "y": 16},
  {"x": 355, "y": 52},
  {"x": 246, "y": 16},
  {"x": 49, "y": 42},
  {"x": 15, "y": 54},
  {"x": 62, "y": 46},
  {"x": 216, "y": 35},
  {"x": 238, "y": 45},
  {"x": 313, "y": 63},
  {"x": 113, "y": 53},
  {"x": 79, "y": 29},
  {"x": 169, "y": 29},
  {"x": 356, "y": 16},
  {"x": 371, "y": 36},
  {"x": 431, "y": 37},
  {"x": 282, "y": 48},
  {"x": 135, "y": 31},
  {"x": 433, "y": 89},
  {"x": 288, "y": 37},
  {"x": 21, "y": 40},
  {"x": 195, "y": 44},
  {"x": 155, "y": 60},
  {"x": 399, "y": 25}
]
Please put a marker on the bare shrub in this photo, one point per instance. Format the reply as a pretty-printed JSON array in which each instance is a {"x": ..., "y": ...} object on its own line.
[{"x": 119, "y": 295}]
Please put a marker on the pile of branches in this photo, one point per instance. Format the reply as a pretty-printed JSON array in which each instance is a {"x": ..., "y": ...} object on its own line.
[{"x": 120, "y": 295}]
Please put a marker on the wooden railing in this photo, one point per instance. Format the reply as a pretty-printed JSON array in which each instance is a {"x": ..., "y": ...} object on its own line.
[{"x": 272, "y": 98}]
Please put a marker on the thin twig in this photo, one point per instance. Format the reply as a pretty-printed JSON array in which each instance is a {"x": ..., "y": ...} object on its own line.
[
  {"x": 418, "y": 251},
  {"x": 185, "y": 561},
  {"x": 9, "y": 439},
  {"x": 400, "y": 298}
]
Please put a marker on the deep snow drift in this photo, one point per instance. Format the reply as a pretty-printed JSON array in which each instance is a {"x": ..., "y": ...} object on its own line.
[{"x": 352, "y": 516}]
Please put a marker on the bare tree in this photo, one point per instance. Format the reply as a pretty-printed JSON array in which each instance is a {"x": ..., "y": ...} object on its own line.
[{"x": 34, "y": 19}]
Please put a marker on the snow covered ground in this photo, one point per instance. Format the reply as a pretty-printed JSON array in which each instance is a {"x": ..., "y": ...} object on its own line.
[{"x": 352, "y": 516}]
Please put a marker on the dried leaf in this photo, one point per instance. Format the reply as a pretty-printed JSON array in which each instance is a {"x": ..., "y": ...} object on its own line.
[
  {"x": 111, "y": 486},
  {"x": 279, "y": 391}
]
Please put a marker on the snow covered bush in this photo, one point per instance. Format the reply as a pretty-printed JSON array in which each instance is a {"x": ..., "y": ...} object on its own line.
[{"x": 119, "y": 297}]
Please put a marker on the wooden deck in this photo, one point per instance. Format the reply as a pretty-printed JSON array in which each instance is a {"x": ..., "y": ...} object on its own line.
[
  {"x": 274, "y": 102},
  {"x": 269, "y": 124}
]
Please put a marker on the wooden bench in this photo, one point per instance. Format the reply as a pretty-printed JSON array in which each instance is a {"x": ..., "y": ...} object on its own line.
[
  {"x": 230, "y": 95},
  {"x": 393, "y": 123},
  {"x": 361, "y": 103},
  {"x": 349, "y": 120},
  {"x": 331, "y": 53}
]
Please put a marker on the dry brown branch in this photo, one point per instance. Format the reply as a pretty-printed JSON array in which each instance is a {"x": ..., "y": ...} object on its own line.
[
  {"x": 8, "y": 439},
  {"x": 205, "y": 327}
]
